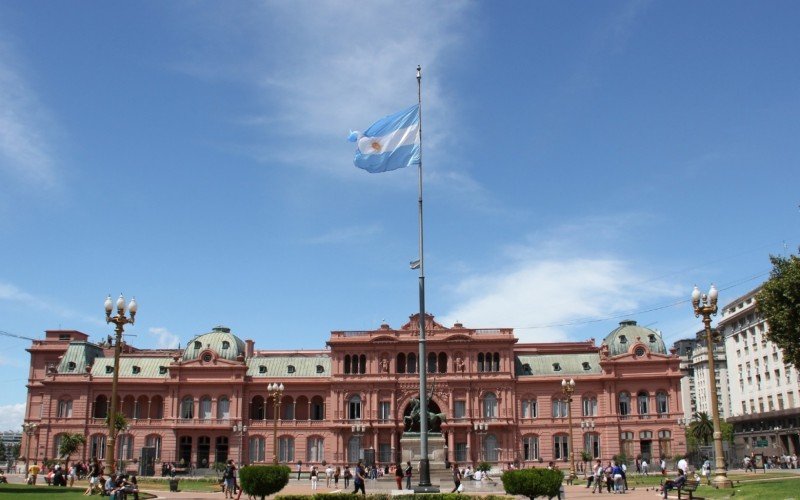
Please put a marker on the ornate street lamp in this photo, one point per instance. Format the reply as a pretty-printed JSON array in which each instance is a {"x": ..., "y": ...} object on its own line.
[
  {"x": 276, "y": 391},
  {"x": 358, "y": 430},
  {"x": 568, "y": 388},
  {"x": 706, "y": 306},
  {"x": 29, "y": 429},
  {"x": 481, "y": 428},
  {"x": 120, "y": 320},
  {"x": 241, "y": 429}
]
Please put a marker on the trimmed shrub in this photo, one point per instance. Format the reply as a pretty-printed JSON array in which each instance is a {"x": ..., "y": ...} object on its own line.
[
  {"x": 263, "y": 480},
  {"x": 533, "y": 483}
]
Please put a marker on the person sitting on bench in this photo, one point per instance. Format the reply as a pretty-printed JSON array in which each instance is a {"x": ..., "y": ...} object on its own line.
[{"x": 675, "y": 484}]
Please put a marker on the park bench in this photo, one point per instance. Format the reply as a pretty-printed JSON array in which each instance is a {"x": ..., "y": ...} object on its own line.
[{"x": 688, "y": 487}]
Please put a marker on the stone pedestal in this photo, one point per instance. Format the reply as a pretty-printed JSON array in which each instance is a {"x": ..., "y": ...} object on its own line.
[{"x": 410, "y": 444}]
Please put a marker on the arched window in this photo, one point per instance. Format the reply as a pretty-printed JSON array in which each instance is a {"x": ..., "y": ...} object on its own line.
[
  {"x": 185, "y": 450},
  {"x": 57, "y": 444},
  {"x": 489, "y": 405},
  {"x": 490, "y": 448},
  {"x": 411, "y": 363},
  {"x": 64, "y": 408},
  {"x": 432, "y": 362},
  {"x": 665, "y": 443},
  {"x": 561, "y": 447},
  {"x": 257, "y": 408},
  {"x": 354, "y": 408},
  {"x": 257, "y": 448},
  {"x": 589, "y": 404},
  {"x": 124, "y": 447},
  {"x": 529, "y": 408},
  {"x": 187, "y": 407},
  {"x": 301, "y": 408},
  {"x": 662, "y": 403},
  {"x": 157, "y": 408},
  {"x": 205, "y": 408},
  {"x": 480, "y": 361},
  {"x": 315, "y": 449},
  {"x": 354, "y": 450},
  {"x": 97, "y": 446},
  {"x": 154, "y": 441},
  {"x": 317, "y": 408},
  {"x": 560, "y": 407},
  {"x": 401, "y": 363},
  {"x": 346, "y": 364},
  {"x": 442, "y": 362},
  {"x": 101, "y": 406},
  {"x": 624, "y": 404},
  {"x": 363, "y": 368},
  {"x": 643, "y": 403},
  {"x": 591, "y": 444},
  {"x": 530, "y": 448},
  {"x": 626, "y": 443},
  {"x": 496, "y": 364},
  {"x": 140, "y": 407},
  {"x": 223, "y": 408},
  {"x": 286, "y": 449},
  {"x": 287, "y": 403}
]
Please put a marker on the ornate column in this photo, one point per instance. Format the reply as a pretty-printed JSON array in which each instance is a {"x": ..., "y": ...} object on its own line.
[{"x": 451, "y": 445}]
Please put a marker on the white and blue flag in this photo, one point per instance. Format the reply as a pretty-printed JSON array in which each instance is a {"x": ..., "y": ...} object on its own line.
[{"x": 390, "y": 143}]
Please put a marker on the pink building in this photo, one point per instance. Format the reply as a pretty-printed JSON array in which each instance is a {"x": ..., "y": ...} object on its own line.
[{"x": 348, "y": 400}]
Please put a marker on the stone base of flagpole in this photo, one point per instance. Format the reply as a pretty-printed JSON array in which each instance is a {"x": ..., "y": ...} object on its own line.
[{"x": 425, "y": 485}]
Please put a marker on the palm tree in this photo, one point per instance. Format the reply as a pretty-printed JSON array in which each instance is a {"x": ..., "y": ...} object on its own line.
[
  {"x": 702, "y": 428},
  {"x": 69, "y": 445}
]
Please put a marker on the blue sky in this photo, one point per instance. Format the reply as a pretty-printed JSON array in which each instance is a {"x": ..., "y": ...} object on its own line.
[{"x": 585, "y": 162}]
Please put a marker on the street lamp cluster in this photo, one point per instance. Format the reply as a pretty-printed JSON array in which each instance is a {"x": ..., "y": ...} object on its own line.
[
  {"x": 276, "y": 391},
  {"x": 29, "y": 429},
  {"x": 568, "y": 388},
  {"x": 706, "y": 305}
]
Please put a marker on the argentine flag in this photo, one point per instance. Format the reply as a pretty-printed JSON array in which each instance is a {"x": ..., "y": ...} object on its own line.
[{"x": 390, "y": 143}]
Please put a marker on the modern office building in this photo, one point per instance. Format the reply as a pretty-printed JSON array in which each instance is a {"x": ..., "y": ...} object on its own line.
[{"x": 502, "y": 399}]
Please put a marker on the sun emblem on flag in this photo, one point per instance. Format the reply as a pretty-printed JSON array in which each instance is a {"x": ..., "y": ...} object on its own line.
[{"x": 376, "y": 146}]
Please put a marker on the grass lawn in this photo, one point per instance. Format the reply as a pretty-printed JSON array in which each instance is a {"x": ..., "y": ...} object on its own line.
[
  {"x": 184, "y": 484},
  {"x": 777, "y": 489},
  {"x": 656, "y": 479}
]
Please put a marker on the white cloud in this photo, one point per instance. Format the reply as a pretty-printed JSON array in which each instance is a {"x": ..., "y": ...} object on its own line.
[
  {"x": 11, "y": 293},
  {"x": 24, "y": 150},
  {"x": 164, "y": 338},
  {"x": 12, "y": 416},
  {"x": 561, "y": 279}
]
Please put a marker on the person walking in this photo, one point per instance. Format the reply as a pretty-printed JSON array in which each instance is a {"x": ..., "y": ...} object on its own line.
[
  {"x": 299, "y": 469},
  {"x": 328, "y": 475},
  {"x": 599, "y": 475},
  {"x": 229, "y": 479},
  {"x": 347, "y": 476},
  {"x": 456, "y": 479},
  {"x": 358, "y": 479},
  {"x": 336, "y": 475},
  {"x": 398, "y": 475},
  {"x": 314, "y": 477},
  {"x": 408, "y": 475}
]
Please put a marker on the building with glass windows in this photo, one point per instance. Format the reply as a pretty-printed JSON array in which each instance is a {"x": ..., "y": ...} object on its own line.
[{"x": 210, "y": 401}]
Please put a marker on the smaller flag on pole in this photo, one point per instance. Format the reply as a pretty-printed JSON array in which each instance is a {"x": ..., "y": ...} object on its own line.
[
  {"x": 414, "y": 264},
  {"x": 390, "y": 143}
]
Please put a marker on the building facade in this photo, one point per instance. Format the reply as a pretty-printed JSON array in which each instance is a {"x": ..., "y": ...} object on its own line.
[
  {"x": 764, "y": 390},
  {"x": 210, "y": 401}
]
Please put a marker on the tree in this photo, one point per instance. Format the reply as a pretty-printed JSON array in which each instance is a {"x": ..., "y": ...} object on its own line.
[
  {"x": 533, "y": 483},
  {"x": 120, "y": 423},
  {"x": 702, "y": 428},
  {"x": 779, "y": 302},
  {"x": 69, "y": 445},
  {"x": 263, "y": 480}
]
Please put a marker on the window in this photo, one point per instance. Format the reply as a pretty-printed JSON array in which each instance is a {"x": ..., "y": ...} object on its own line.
[
  {"x": 623, "y": 339},
  {"x": 257, "y": 449},
  {"x": 411, "y": 363},
  {"x": 639, "y": 352},
  {"x": 64, "y": 408},
  {"x": 286, "y": 449},
  {"x": 320, "y": 369},
  {"x": 205, "y": 408},
  {"x": 561, "y": 447},
  {"x": 262, "y": 369},
  {"x": 71, "y": 366},
  {"x": 662, "y": 403},
  {"x": 643, "y": 402},
  {"x": 124, "y": 447},
  {"x": 317, "y": 408},
  {"x": 109, "y": 369},
  {"x": 97, "y": 447},
  {"x": 223, "y": 408},
  {"x": 400, "y": 367},
  {"x": 315, "y": 449},
  {"x": 626, "y": 443},
  {"x": 530, "y": 448},
  {"x": 187, "y": 407},
  {"x": 556, "y": 367},
  {"x": 57, "y": 445},
  {"x": 385, "y": 453},
  {"x": 560, "y": 408},
  {"x": 529, "y": 408},
  {"x": 459, "y": 409},
  {"x": 384, "y": 410},
  {"x": 586, "y": 366},
  {"x": 290, "y": 369},
  {"x": 589, "y": 404},
  {"x": 665, "y": 443},
  {"x": 461, "y": 452},
  {"x": 354, "y": 408},
  {"x": 154, "y": 441},
  {"x": 489, "y": 405},
  {"x": 646, "y": 435},
  {"x": 198, "y": 344},
  {"x": 137, "y": 370},
  {"x": 591, "y": 444},
  {"x": 226, "y": 344},
  {"x": 207, "y": 357},
  {"x": 490, "y": 448},
  {"x": 624, "y": 404},
  {"x": 162, "y": 370},
  {"x": 480, "y": 362}
]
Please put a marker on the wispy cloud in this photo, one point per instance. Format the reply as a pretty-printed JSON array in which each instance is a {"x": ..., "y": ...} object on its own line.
[
  {"x": 342, "y": 234},
  {"x": 320, "y": 68},
  {"x": 11, "y": 293},
  {"x": 559, "y": 279},
  {"x": 25, "y": 152},
  {"x": 164, "y": 338},
  {"x": 11, "y": 416}
]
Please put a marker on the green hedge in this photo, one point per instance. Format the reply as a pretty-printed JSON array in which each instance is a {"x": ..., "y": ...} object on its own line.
[
  {"x": 263, "y": 480},
  {"x": 383, "y": 496},
  {"x": 533, "y": 483}
]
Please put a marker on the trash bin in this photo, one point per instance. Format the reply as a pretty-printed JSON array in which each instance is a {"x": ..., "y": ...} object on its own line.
[{"x": 173, "y": 485}]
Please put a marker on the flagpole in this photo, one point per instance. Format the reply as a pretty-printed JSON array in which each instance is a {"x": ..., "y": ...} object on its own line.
[{"x": 424, "y": 464}]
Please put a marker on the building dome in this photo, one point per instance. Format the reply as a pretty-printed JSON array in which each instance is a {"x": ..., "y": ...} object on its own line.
[
  {"x": 220, "y": 340},
  {"x": 628, "y": 333}
]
